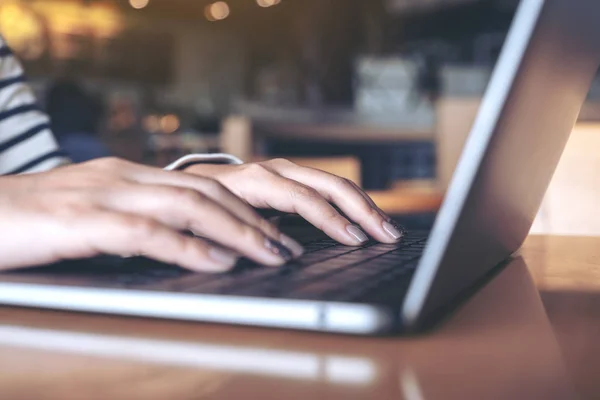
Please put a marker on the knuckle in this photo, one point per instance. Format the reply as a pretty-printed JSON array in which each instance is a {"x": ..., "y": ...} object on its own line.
[
  {"x": 139, "y": 228},
  {"x": 108, "y": 162},
  {"x": 372, "y": 212},
  {"x": 194, "y": 248},
  {"x": 268, "y": 227},
  {"x": 257, "y": 169},
  {"x": 185, "y": 196},
  {"x": 108, "y": 167},
  {"x": 250, "y": 235},
  {"x": 342, "y": 184},
  {"x": 282, "y": 162},
  {"x": 301, "y": 192},
  {"x": 215, "y": 186},
  {"x": 183, "y": 246},
  {"x": 332, "y": 215}
]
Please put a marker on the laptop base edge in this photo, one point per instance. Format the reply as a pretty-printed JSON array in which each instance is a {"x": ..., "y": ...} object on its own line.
[{"x": 307, "y": 315}]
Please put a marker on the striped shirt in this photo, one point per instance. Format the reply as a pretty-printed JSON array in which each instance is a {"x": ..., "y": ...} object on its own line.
[{"x": 26, "y": 141}]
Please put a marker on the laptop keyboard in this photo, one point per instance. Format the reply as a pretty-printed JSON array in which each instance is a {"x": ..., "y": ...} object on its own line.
[{"x": 375, "y": 273}]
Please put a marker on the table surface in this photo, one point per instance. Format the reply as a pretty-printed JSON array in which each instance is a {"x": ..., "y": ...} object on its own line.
[{"x": 531, "y": 333}]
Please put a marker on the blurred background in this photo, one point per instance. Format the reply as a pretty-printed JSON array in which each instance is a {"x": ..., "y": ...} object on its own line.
[{"x": 380, "y": 91}]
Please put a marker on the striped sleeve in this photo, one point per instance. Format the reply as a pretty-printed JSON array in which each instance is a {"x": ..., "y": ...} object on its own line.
[{"x": 26, "y": 141}]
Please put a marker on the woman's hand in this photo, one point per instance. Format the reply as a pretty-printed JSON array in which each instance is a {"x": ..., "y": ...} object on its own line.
[
  {"x": 282, "y": 185},
  {"x": 115, "y": 207}
]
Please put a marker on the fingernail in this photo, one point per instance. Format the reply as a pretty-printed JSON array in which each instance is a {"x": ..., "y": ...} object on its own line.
[
  {"x": 398, "y": 227},
  {"x": 291, "y": 244},
  {"x": 392, "y": 230},
  {"x": 357, "y": 233},
  {"x": 223, "y": 257},
  {"x": 278, "y": 249}
]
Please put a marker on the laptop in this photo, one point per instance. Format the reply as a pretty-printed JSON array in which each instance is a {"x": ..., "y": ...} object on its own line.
[{"x": 545, "y": 70}]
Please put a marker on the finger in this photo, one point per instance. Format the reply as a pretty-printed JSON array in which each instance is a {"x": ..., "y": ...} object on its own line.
[
  {"x": 368, "y": 199},
  {"x": 187, "y": 209},
  {"x": 122, "y": 234},
  {"x": 350, "y": 199},
  {"x": 383, "y": 214},
  {"x": 220, "y": 194},
  {"x": 291, "y": 196}
]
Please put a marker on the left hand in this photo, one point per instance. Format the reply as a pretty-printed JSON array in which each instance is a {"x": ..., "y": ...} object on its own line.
[{"x": 282, "y": 185}]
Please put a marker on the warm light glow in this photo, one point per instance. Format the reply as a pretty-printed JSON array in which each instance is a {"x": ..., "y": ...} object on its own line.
[
  {"x": 22, "y": 30},
  {"x": 152, "y": 123},
  {"x": 169, "y": 123},
  {"x": 267, "y": 3},
  {"x": 217, "y": 11},
  {"x": 138, "y": 4},
  {"x": 103, "y": 20}
]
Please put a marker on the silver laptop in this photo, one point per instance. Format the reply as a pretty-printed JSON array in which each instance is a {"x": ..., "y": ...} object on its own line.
[{"x": 544, "y": 73}]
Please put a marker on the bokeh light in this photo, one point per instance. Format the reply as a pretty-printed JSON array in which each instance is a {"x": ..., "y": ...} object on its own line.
[
  {"x": 267, "y": 3},
  {"x": 23, "y": 30},
  {"x": 169, "y": 123},
  {"x": 151, "y": 123},
  {"x": 217, "y": 11},
  {"x": 139, "y": 4}
]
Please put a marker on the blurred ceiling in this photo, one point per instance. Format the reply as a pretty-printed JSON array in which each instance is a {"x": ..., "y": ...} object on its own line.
[{"x": 193, "y": 9}]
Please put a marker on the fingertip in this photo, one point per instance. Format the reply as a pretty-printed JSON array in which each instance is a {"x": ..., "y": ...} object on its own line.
[
  {"x": 273, "y": 262},
  {"x": 222, "y": 257},
  {"x": 210, "y": 269},
  {"x": 356, "y": 235},
  {"x": 295, "y": 247},
  {"x": 219, "y": 261},
  {"x": 394, "y": 231},
  {"x": 282, "y": 252}
]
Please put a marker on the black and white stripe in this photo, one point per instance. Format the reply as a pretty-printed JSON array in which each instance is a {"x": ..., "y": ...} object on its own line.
[
  {"x": 26, "y": 141},
  {"x": 7, "y": 82},
  {"x": 5, "y": 51}
]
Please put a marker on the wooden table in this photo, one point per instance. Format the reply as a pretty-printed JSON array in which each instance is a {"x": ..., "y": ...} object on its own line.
[{"x": 506, "y": 343}]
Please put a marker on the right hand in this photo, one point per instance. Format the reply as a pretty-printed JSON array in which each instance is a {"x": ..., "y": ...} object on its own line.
[{"x": 111, "y": 206}]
